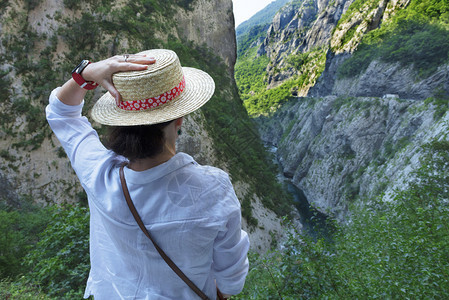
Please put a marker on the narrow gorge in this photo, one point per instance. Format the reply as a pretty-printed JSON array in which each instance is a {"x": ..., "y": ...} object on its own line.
[{"x": 347, "y": 117}]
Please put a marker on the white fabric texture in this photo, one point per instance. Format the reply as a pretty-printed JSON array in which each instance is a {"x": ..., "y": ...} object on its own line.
[{"x": 191, "y": 211}]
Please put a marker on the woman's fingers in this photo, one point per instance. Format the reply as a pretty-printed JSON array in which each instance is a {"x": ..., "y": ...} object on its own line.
[
  {"x": 127, "y": 63},
  {"x": 124, "y": 63},
  {"x": 112, "y": 90},
  {"x": 133, "y": 66},
  {"x": 102, "y": 71},
  {"x": 136, "y": 59}
]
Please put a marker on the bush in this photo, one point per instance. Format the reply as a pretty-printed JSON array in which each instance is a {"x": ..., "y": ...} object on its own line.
[
  {"x": 414, "y": 37},
  {"x": 5, "y": 84},
  {"x": 60, "y": 260},
  {"x": 19, "y": 291},
  {"x": 388, "y": 250},
  {"x": 18, "y": 231}
]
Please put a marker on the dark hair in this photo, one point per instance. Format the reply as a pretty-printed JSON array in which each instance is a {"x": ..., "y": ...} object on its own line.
[{"x": 137, "y": 142}]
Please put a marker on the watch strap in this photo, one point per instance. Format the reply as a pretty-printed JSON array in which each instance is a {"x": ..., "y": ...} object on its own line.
[{"x": 76, "y": 75}]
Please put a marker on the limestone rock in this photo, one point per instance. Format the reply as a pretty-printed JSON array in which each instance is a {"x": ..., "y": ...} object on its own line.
[
  {"x": 299, "y": 28},
  {"x": 212, "y": 23},
  {"x": 336, "y": 148},
  {"x": 383, "y": 78}
]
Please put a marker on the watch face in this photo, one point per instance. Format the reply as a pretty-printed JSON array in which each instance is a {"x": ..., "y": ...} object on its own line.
[
  {"x": 79, "y": 68},
  {"x": 76, "y": 75}
]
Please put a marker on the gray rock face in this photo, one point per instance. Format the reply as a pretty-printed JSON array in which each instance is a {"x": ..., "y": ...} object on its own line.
[
  {"x": 336, "y": 149},
  {"x": 381, "y": 78},
  {"x": 212, "y": 23},
  {"x": 283, "y": 19},
  {"x": 325, "y": 84},
  {"x": 299, "y": 28},
  {"x": 7, "y": 193}
]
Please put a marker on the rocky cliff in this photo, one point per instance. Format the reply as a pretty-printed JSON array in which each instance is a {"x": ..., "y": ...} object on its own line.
[
  {"x": 338, "y": 149},
  {"x": 42, "y": 41},
  {"x": 216, "y": 32},
  {"x": 382, "y": 78},
  {"x": 366, "y": 110},
  {"x": 299, "y": 27}
]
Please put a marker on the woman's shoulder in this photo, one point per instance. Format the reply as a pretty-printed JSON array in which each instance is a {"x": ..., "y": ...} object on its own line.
[
  {"x": 208, "y": 175},
  {"x": 211, "y": 186},
  {"x": 212, "y": 173},
  {"x": 203, "y": 169}
]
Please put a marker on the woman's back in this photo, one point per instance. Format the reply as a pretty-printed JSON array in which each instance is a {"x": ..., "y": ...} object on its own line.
[{"x": 187, "y": 208}]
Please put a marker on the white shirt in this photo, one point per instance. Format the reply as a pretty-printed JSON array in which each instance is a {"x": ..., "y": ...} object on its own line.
[{"x": 190, "y": 210}]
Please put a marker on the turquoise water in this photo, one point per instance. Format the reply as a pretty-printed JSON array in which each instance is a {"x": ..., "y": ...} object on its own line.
[{"x": 314, "y": 222}]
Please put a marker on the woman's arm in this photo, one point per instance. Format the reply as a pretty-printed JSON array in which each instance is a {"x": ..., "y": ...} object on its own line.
[
  {"x": 77, "y": 137},
  {"x": 101, "y": 72}
]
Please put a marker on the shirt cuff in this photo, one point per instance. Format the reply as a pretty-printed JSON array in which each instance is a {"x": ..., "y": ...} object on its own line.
[{"x": 62, "y": 109}]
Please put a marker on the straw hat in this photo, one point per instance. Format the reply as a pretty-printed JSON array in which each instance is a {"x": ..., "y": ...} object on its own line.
[{"x": 164, "y": 92}]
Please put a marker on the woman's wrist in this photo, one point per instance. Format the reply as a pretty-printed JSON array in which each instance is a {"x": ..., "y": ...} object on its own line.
[
  {"x": 71, "y": 93},
  {"x": 87, "y": 74},
  {"x": 78, "y": 76}
]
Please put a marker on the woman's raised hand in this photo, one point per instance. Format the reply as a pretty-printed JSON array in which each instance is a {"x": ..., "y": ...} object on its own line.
[{"x": 101, "y": 72}]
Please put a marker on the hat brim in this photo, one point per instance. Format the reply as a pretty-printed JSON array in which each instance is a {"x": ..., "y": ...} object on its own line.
[{"x": 199, "y": 89}]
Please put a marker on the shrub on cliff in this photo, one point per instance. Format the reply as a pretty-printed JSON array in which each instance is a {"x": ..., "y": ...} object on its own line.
[
  {"x": 59, "y": 262},
  {"x": 388, "y": 250},
  {"x": 415, "y": 36},
  {"x": 18, "y": 230}
]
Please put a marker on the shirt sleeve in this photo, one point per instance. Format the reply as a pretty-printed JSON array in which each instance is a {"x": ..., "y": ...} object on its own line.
[
  {"x": 230, "y": 251},
  {"x": 76, "y": 135}
]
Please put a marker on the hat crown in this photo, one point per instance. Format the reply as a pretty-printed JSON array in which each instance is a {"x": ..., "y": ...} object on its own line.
[{"x": 161, "y": 77}]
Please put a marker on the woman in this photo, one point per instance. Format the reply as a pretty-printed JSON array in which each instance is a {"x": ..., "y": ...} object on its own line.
[{"x": 190, "y": 210}]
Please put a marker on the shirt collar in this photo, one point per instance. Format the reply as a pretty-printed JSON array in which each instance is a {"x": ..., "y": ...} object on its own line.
[{"x": 178, "y": 161}]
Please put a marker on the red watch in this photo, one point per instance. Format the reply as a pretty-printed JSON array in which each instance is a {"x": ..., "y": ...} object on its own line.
[{"x": 76, "y": 74}]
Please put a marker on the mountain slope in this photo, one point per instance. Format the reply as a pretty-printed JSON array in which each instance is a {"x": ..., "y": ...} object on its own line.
[
  {"x": 262, "y": 17},
  {"x": 42, "y": 41},
  {"x": 348, "y": 91}
]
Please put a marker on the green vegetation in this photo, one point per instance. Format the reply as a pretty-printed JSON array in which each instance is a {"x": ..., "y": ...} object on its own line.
[
  {"x": 389, "y": 250},
  {"x": 269, "y": 100},
  {"x": 250, "y": 75},
  {"x": 18, "y": 230},
  {"x": 20, "y": 291},
  {"x": 417, "y": 36},
  {"x": 4, "y": 86},
  {"x": 59, "y": 262},
  {"x": 43, "y": 251}
]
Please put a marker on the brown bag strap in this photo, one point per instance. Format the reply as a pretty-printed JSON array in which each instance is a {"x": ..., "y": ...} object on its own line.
[{"x": 167, "y": 259}]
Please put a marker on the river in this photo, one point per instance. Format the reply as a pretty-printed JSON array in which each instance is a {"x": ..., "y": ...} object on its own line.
[{"x": 314, "y": 223}]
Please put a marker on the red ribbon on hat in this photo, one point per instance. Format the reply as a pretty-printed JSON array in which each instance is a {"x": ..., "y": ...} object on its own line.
[{"x": 154, "y": 102}]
